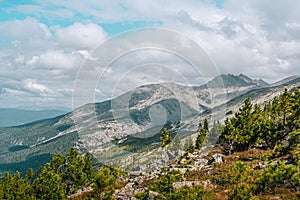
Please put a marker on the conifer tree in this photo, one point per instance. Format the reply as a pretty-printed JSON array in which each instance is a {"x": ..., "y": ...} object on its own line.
[
  {"x": 165, "y": 138},
  {"x": 88, "y": 168},
  {"x": 214, "y": 133},
  {"x": 1, "y": 190},
  {"x": 15, "y": 187},
  {"x": 73, "y": 175},
  {"x": 241, "y": 130},
  {"x": 49, "y": 184},
  {"x": 202, "y": 134},
  {"x": 58, "y": 163},
  {"x": 189, "y": 145},
  {"x": 103, "y": 183}
]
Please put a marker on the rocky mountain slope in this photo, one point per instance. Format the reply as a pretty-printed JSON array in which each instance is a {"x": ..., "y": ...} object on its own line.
[{"x": 132, "y": 122}]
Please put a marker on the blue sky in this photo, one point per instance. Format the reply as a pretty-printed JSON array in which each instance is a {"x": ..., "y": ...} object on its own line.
[
  {"x": 44, "y": 42},
  {"x": 10, "y": 11}
]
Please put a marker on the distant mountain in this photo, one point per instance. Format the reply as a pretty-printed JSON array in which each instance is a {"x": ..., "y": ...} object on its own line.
[
  {"x": 15, "y": 117},
  {"x": 230, "y": 80},
  {"x": 286, "y": 80},
  {"x": 233, "y": 85},
  {"x": 257, "y": 82},
  {"x": 125, "y": 123}
]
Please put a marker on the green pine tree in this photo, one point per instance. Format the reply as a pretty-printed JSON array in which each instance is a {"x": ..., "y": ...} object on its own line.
[
  {"x": 74, "y": 175},
  {"x": 49, "y": 184},
  {"x": 165, "y": 137},
  {"x": 203, "y": 131}
]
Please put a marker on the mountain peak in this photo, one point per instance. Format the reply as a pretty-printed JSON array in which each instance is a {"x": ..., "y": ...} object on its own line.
[
  {"x": 245, "y": 78},
  {"x": 231, "y": 80}
]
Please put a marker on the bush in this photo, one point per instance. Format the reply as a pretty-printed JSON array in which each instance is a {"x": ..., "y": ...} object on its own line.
[{"x": 278, "y": 175}]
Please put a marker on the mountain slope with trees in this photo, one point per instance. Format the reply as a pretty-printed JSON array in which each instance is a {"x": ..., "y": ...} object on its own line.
[{"x": 261, "y": 160}]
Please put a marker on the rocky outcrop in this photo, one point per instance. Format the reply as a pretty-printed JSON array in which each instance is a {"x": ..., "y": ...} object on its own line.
[
  {"x": 81, "y": 193},
  {"x": 217, "y": 158},
  {"x": 193, "y": 161},
  {"x": 205, "y": 184}
]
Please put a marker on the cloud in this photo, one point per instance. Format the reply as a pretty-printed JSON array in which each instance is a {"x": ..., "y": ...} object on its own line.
[
  {"x": 81, "y": 36},
  {"x": 272, "y": 17},
  {"x": 43, "y": 52},
  {"x": 55, "y": 59},
  {"x": 36, "y": 88},
  {"x": 26, "y": 29},
  {"x": 42, "y": 61}
]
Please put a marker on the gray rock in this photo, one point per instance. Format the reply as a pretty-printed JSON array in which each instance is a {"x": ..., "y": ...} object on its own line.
[
  {"x": 153, "y": 195},
  {"x": 177, "y": 185},
  {"x": 217, "y": 158},
  {"x": 200, "y": 163}
]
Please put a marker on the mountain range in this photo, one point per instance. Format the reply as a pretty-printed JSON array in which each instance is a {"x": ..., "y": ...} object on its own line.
[
  {"x": 15, "y": 117},
  {"x": 132, "y": 122}
]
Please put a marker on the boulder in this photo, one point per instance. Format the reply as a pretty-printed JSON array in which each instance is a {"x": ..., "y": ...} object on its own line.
[{"x": 217, "y": 158}]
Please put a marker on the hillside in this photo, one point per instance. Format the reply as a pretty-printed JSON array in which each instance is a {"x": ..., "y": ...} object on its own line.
[
  {"x": 257, "y": 156},
  {"x": 107, "y": 127}
]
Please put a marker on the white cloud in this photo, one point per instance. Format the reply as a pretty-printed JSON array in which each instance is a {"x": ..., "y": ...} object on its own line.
[
  {"x": 251, "y": 37},
  {"x": 53, "y": 59},
  {"x": 36, "y": 88},
  {"x": 81, "y": 36},
  {"x": 26, "y": 29},
  {"x": 43, "y": 61}
]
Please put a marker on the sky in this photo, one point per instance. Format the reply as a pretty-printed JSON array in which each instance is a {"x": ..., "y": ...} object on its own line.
[{"x": 43, "y": 43}]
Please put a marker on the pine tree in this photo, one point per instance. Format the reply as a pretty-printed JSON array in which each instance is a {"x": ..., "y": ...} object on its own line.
[
  {"x": 1, "y": 189},
  {"x": 88, "y": 168},
  {"x": 49, "y": 184},
  {"x": 165, "y": 138},
  {"x": 189, "y": 146},
  {"x": 58, "y": 163},
  {"x": 295, "y": 110},
  {"x": 214, "y": 133},
  {"x": 103, "y": 183},
  {"x": 272, "y": 127},
  {"x": 73, "y": 175},
  {"x": 285, "y": 106},
  {"x": 203, "y": 131},
  {"x": 241, "y": 130},
  {"x": 29, "y": 174},
  {"x": 205, "y": 125},
  {"x": 15, "y": 187}
]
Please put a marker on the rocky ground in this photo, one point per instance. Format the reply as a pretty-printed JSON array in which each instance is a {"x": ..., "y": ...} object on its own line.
[{"x": 192, "y": 161}]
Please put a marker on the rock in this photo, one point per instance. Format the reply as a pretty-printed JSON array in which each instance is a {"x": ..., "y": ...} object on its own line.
[
  {"x": 217, "y": 157},
  {"x": 134, "y": 174},
  {"x": 137, "y": 169},
  {"x": 177, "y": 185},
  {"x": 206, "y": 184},
  {"x": 260, "y": 166},
  {"x": 81, "y": 192},
  {"x": 170, "y": 155},
  {"x": 200, "y": 163},
  {"x": 129, "y": 186},
  {"x": 153, "y": 195}
]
